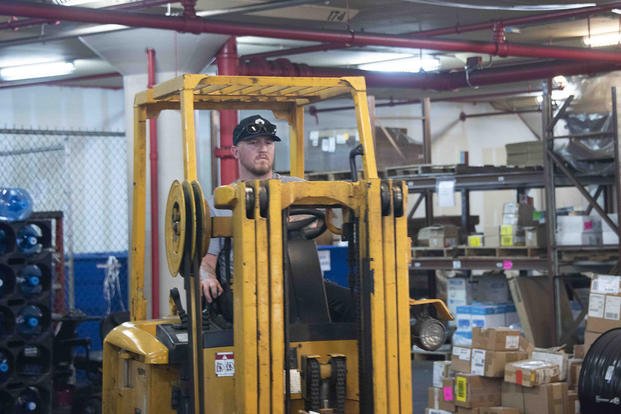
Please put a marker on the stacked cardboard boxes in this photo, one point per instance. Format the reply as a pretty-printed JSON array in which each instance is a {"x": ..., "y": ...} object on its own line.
[
  {"x": 501, "y": 373},
  {"x": 604, "y": 307}
]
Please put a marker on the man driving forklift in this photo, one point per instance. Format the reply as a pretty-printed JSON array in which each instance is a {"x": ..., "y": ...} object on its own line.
[{"x": 253, "y": 148}]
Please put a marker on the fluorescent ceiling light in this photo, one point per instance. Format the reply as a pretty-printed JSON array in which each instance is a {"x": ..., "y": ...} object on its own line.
[
  {"x": 411, "y": 64},
  {"x": 38, "y": 70},
  {"x": 617, "y": 11},
  {"x": 603, "y": 39}
]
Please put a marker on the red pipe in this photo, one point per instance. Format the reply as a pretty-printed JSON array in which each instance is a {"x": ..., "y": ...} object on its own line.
[
  {"x": 524, "y": 20},
  {"x": 444, "y": 81},
  {"x": 226, "y": 60},
  {"x": 155, "y": 225},
  {"x": 194, "y": 25},
  {"x": 518, "y": 21},
  {"x": 14, "y": 24}
]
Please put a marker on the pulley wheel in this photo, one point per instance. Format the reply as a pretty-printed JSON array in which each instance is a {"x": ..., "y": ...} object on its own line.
[
  {"x": 175, "y": 227},
  {"x": 203, "y": 220},
  {"x": 190, "y": 246}
]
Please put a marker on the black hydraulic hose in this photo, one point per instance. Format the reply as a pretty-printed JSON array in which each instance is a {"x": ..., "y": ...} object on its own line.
[
  {"x": 357, "y": 150},
  {"x": 599, "y": 386}
]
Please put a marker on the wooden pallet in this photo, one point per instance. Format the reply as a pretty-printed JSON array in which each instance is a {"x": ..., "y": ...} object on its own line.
[
  {"x": 464, "y": 251},
  {"x": 436, "y": 252},
  {"x": 589, "y": 255}
]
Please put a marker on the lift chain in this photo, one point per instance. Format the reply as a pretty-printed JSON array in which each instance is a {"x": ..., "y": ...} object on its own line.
[
  {"x": 313, "y": 375},
  {"x": 339, "y": 382}
]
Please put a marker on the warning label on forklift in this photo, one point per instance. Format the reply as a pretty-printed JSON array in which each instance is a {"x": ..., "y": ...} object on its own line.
[{"x": 225, "y": 364}]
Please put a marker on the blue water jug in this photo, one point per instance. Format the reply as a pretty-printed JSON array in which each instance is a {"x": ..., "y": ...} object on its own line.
[
  {"x": 15, "y": 204},
  {"x": 7, "y": 281},
  {"x": 28, "y": 401},
  {"x": 29, "y": 320},
  {"x": 5, "y": 240},
  {"x": 28, "y": 239},
  {"x": 29, "y": 280},
  {"x": 6, "y": 365}
]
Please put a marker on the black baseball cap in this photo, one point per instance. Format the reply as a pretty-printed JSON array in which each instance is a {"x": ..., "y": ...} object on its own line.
[{"x": 254, "y": 126}]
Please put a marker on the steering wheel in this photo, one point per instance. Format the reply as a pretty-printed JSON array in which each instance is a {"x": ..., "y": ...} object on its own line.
[{"x": 308, "y": 227}]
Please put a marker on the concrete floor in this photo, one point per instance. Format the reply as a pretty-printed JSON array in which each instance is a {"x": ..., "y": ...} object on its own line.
[{"x": 422, "y": 373}]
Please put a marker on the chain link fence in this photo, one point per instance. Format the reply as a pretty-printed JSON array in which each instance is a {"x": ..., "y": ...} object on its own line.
[{"x": 82, "y": 174}]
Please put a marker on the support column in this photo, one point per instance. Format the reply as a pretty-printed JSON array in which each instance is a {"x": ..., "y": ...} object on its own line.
[{"x": 227, "y": 61}]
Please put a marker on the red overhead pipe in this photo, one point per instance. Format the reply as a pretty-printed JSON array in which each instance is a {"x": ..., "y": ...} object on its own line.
[
  {"x": 519, "y": 21},
  {"x": 444, "y": 81},
  {"x": 14, "y": 24},
  {"x": 226, "y": 60},
  {"x": 490, "y": 25},
  {"x": 195, "y": 25},
  {"x": 155, "y": 224}
]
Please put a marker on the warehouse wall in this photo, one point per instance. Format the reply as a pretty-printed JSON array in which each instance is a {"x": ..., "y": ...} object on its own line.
[{"x": 85, "y": 175}]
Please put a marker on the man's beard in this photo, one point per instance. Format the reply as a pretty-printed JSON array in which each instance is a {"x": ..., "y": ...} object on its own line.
[{"x": 259, "y": 169}]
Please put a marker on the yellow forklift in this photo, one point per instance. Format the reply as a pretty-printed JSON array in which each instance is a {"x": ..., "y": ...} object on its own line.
[{"x": 281, "y": 351}]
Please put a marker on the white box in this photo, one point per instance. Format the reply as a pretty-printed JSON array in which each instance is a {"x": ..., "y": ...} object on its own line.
[
  {"x": 487, "y": 316},
  {"x": 578, "y": 224},
  {"x": 612, "y": 309},
  {"x": 606, "y": 284},
  {"x": 440, "y": 368},
  {"x": 558, "y": 358},
  {"x": 462, "y": 338},
  {"x": 459, "y": 289},
  {"x": 596, "y": 305},
  {"x": 463, "y": 318}
]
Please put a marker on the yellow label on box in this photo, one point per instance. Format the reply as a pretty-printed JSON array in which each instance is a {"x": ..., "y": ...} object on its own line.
[
  {"x": 506, "y": 229},
  {"x": 506, "y": 240},
  {"x": 475, "y": 240},
  {"x": 460, "y": 389}
]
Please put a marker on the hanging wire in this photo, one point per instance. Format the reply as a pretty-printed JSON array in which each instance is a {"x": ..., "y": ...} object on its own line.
[{"x": 599, "y": 386}]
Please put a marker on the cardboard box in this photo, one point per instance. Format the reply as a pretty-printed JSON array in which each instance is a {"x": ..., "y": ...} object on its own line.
[
  {"x": 439, "y": 236},
  {"x": 511, "y": 396},
  {"x": 559, "y": 358},
  {"x": 579, "y": 351},
  {"x": 573, "y": 373},
  {"x": 573, "y": 403},
  {"x": 544, "y": 399},
  {"x": 441, "y": 369},
  {"x": 589, "y": 338},
  {"x": 601, "y": 325},
  {"x": 434, "y": 395},
  {"x": 473, "y": 391},
  {"x": 447, "y": 401},
  {"x": 606, "y": 284},
  {"x": 492, "y": 363},
  {"x": 498, "y": 410},
  {"x": 487, "y": 316},
  {"x": 530, "y": 373},
  {"x": 460, "y": 359},
  {"x": 529, "y": 153},
  {"x": 535, "y": 236},
  {"x": 496, "y": 339},
  {"x": 517, "y": 213}
]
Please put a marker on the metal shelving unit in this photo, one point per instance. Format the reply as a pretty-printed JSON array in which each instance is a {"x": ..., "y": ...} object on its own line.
[{"x": 422, "y": 180}]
